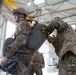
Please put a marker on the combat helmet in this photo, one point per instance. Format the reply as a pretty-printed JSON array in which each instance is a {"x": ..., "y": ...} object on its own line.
[{"x": 20, "y": 11}]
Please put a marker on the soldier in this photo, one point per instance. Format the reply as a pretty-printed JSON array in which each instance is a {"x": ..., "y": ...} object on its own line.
[
  {"x": 19, "y": 45},
  {"x": 65, "y": 45},
  {"x": 37, "y": 64}
]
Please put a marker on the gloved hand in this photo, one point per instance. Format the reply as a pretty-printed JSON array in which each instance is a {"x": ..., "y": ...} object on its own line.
[
  {"x": 4, "y": 61},
  {"x": 51, "y": 39}
]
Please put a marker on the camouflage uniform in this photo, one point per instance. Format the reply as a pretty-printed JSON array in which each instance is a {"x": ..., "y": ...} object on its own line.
[
  {"x": 37, "y": 63},
  {"x": 65, "y": 46},
  {"x": 18, "y": 46}
]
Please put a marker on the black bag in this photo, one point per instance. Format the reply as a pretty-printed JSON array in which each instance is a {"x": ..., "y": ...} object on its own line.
[
  {"x": 7, "y": 42},
  {"x": 12, "y": 65},
  {"x": 36, "y": 37}
]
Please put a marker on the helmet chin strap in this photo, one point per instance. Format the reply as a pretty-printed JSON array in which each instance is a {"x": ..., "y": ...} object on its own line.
[{"x": 17, "y": 19}]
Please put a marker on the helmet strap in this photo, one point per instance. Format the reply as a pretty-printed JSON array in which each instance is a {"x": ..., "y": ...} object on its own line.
[{"x": 17, "y": 19}]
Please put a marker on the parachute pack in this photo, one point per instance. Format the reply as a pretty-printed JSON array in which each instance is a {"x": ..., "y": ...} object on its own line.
[{"x": 36, "y": 37}]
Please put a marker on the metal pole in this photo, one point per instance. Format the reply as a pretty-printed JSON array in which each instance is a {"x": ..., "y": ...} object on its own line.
[
  {"x": 1, "y": 3},
  {"x": 57, "y": 11}
]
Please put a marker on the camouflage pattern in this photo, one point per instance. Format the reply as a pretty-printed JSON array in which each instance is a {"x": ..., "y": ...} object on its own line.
[
  {"x": 69, "y": 59},
  {"x": 25, "y": 55},
  {"x": 36, "y": 64},
  {"x": 20, "y": 69},
  {"x": 22, "y": 33},
  {"x": 20, "y": 11},
  {"x": 19, "y": 46},
  {"x": 35, "y": 69},
  {"x": 65, "y": 40},
  {"x": 38, "y": 59},
  {"x": 25, "y": 58}
]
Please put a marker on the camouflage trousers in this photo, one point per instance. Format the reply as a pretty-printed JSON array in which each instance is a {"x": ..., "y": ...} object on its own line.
[
  {"x": 25, "y": 59},
  {"x": 67, "y": 65},
  {"x": 35, "y": 69},
  {"x": 20, "y": 70}
]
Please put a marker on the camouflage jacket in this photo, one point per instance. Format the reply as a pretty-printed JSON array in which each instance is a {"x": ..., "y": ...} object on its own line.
[
  {"x": 22, "y": 33},
  {"x": 66, "y": 37}
]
